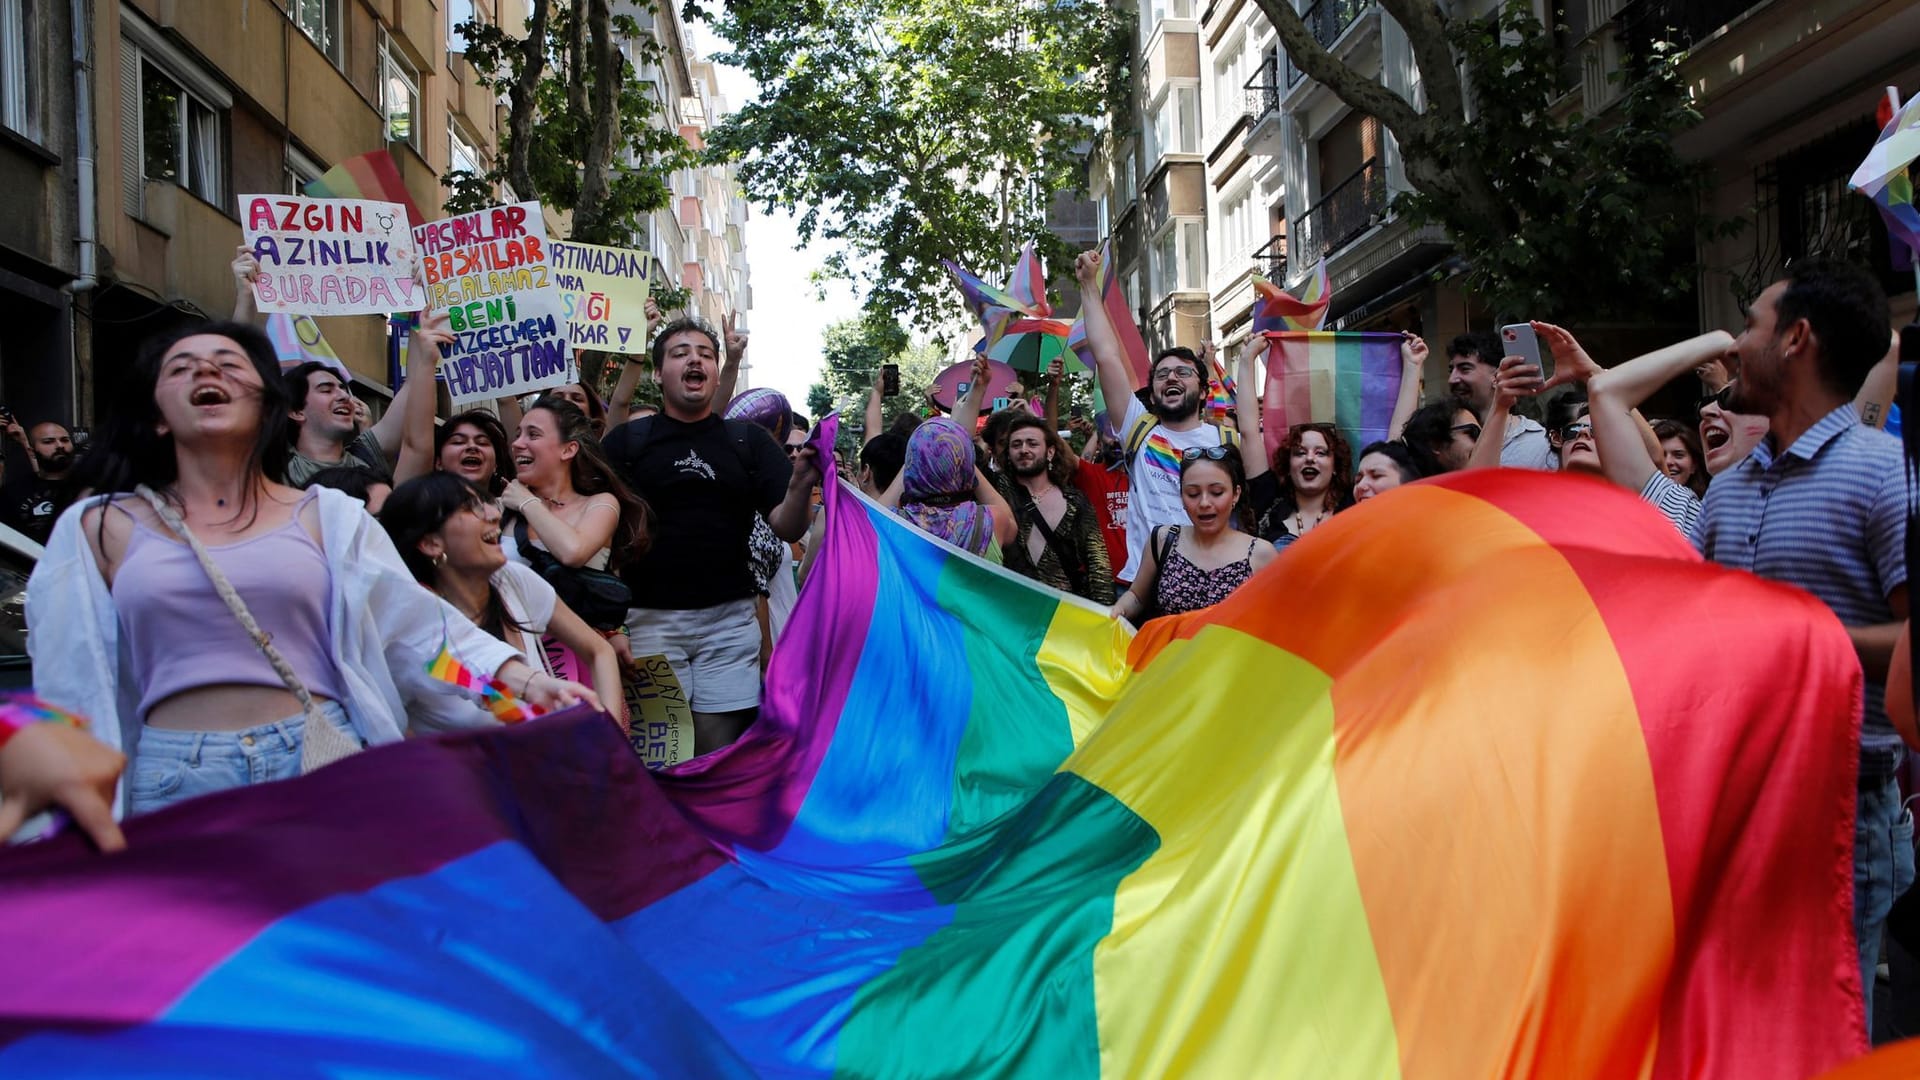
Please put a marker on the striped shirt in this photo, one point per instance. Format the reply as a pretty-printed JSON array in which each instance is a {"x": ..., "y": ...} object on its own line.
[
  {"x": 1673, "y": 499},
  {"x": 1830, "y": 516}
]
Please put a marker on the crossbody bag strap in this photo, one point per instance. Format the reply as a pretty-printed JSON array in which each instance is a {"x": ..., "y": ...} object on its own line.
[
  {"x": 324, "y": 743},
  {"x": 1076, "y": 568}
]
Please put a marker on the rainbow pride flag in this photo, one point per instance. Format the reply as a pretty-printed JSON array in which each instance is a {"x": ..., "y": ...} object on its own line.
[
  {"x": 1349, "y": 379},
  {"x": 499, "y": 699},
  {"x": 1114, "y": 300},
  {"x": 1276, "y": 310},
  {"x": 297, "y": 340},
  {"x": 371, "y": 175},
  {"x": 1329, "y": 828},
  {"x": 1885, "y": 177}
]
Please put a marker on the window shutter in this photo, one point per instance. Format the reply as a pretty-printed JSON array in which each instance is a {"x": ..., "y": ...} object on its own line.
[{"x": 132, "y": 180}]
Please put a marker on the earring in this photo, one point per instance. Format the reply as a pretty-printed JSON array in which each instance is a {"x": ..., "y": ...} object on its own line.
[{"x": 440, "y": 559}]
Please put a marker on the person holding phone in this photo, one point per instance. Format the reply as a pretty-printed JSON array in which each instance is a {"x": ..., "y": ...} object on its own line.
[{"x": 1473, "y": 368}]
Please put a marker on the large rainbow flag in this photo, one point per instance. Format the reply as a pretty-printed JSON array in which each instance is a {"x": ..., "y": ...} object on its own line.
[
  {"x": 1443, "y": 792},
  {"x": 1349, "y": 379}
]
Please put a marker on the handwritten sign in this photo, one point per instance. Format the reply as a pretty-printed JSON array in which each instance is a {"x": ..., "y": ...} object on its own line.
[
  {"x": 330, "y": 256},
  {"x": 488, "y": 271},
  {"x": 657, "y": 709},
  {"x": 604, "y": 291}
]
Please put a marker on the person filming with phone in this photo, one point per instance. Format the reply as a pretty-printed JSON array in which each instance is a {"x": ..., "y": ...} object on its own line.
[
  {"x": 36, "y": 487},
  {"x": 1473, "y": 367}
]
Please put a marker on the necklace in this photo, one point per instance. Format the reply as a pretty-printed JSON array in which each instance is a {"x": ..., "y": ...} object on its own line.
[{"x": 1300, "y": 525}]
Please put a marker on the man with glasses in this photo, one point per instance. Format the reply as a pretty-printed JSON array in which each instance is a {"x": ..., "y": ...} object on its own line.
[
  {"x": 1177, "y": 388},
  {"x": 1473, "y": 366},
  {"x": 1821, "y": 503}
]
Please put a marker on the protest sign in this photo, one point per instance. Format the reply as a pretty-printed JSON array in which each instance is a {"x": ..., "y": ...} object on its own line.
[
  {"x": 604, "y": 292},
  {"x": 489, "y": 271},
  {"x": 330, "y": 256}
]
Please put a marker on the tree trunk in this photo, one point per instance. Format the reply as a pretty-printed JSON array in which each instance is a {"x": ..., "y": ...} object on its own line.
[
  {"x": 520, "y": 100},
  {"x": 607, "y": 68}
]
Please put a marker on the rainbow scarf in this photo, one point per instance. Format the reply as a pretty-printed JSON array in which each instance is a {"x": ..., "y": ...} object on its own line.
[
  {"x": 499, "y": 699},
  {"x": 1349, "y": 379},
  {"x": 1329, "y": 828}
]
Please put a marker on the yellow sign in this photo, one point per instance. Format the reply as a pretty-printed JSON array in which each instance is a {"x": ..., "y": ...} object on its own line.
[
  {"x": 660, "y": 719},
  {"x": 605, "y": 294}
]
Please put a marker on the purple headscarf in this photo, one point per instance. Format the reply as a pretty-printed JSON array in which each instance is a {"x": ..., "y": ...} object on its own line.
[{"x": 938, "y": 478}]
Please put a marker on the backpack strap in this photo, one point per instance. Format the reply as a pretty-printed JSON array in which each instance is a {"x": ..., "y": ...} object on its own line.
[{"x": 1137, "y": 435}]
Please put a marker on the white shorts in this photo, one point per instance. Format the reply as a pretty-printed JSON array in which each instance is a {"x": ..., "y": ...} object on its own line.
[{"x": 714, "y": 652}]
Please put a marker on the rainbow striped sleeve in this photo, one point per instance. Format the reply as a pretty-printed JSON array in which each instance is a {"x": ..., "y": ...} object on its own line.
[{"x": 1462, "y": 785}]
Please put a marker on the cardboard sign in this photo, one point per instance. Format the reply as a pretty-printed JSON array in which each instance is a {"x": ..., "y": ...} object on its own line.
[
  {"x": 604, "y": 293},
  {"x": 661, "y": 720},
  {"x": 330, "y": 256},
  {"x": 488, "y": 271}
]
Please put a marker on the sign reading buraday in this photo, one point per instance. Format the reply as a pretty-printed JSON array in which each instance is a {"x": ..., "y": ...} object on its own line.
[
  {"x": 605, "y": 294},
  {"x": 330, "y": 256},
  {"x": 489, "y": 271}
]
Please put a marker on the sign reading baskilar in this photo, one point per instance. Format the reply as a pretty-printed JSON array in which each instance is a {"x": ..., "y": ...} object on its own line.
[{"x": 488, "y": 270}]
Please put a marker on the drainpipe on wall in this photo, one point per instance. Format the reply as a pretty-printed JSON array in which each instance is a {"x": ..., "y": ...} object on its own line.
[{"x": 86, "y": 233}]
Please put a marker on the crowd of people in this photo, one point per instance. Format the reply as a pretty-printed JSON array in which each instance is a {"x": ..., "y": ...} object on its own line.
[{"x": 250, "y": 578}]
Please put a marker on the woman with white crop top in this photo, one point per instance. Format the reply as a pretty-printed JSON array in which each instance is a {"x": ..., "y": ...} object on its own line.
[{"x": 129, "y": 630}]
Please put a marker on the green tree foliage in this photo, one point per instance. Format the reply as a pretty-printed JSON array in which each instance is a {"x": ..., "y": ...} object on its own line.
[
  {"x": 852, "y": 352},
  {"x": 1560, "y": 215},
  {"x": 917, "y": 130},
  {"x": 582, "y": 135}
]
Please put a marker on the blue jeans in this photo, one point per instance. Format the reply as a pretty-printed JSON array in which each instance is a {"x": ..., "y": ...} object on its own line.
[
  {"x": 170, "y": 766},
  {"x": 1882, "y": 862}
]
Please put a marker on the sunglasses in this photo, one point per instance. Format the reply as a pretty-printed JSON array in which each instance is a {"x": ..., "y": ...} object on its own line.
[
  {"x": 1718, "y": 398},
  {"x": 1211, "y": 453},
  {"x": 1472, "y": 430},
  {"x": 1575, "y": 431},
  {"x": 1178, "y": 371},
  {"x": 794, "y": 451}
]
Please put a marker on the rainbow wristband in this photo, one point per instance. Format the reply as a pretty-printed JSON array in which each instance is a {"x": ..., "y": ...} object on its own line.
[{"x": 19, "y": 711}]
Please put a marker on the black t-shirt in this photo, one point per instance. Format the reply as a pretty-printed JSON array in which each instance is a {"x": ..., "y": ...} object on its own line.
[
  {"x": 32, "y": 503},
  {"x": 705, "y": 481}
]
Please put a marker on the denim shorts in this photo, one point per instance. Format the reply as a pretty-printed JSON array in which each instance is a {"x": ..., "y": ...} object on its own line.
[{"x": 169, "y": 765}]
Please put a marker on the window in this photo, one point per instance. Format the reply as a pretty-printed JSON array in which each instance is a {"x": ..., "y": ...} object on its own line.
[
  {"x": 458, "y": 12},
  {"x": 300, "y": 171},
  {"x": 463, "y": 156},
  {"x": 1231, "y": 70},
  {"x": 182, "y": 138},
  {"x": 18, "y": 107},
  {"x": 1157, "y": 11},
  {"x": 1173, "y": 126},
  {"x": 320, "y": 21},
  {"x": 1179, "y": 257},
  {"x": 399, "y": 94},
  {"x": 1237, "y": 234}
]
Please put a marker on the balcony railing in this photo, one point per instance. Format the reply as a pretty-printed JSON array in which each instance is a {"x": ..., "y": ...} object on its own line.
[
  {"x": 1348, "y": 209},
  {"x": 1326, "y": 20},
  {"x": 1684, "y": 22},
  {"x": 1263, "y": 90},
  {"x": 1270, "y": 261}
]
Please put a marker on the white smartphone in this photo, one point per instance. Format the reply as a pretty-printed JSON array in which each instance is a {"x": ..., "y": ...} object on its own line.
[{"x": 1520, "y": 340}]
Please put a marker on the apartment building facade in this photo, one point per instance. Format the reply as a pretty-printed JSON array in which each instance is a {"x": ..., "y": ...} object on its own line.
[
  {"x": 129, "y": 127},
  {"x": 1290, "y": 176}
]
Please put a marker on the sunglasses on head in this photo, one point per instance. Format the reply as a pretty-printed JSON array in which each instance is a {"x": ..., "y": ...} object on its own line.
[
  {"x": 1718, "y": 398},
  {"x": 1472, "y": 430},
  {"x": 1211, "y": 453}
]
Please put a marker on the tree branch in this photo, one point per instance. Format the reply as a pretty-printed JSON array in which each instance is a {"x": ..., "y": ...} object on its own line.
[
  {"x": 1364, "y": 93},
  {"x": 1426, "y": 26}
]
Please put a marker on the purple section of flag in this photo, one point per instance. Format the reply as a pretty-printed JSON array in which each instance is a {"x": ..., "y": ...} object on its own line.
[
  {"x": 727, "y": 791},
  {"x": 118, "y": 939}
]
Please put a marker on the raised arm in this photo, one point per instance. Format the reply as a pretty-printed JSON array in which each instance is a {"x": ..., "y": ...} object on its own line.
[
  {"x": 1005, "y": 529},
  {"x": 1516, "y": 379},
  {"x": 1246, "y": 405},
  {"x": 423, "y": 360},
  {"x": 736, "y": 348},
  {"x": 1109, "y": 359},
  {"x": 632, "y": 368},
  {"x": 245, "y": 269},
  {"x": 1413, "y": 362},
  {"x": 1614, "y": 393},
  {"x": 1055, "y": 372},
  {"x": 966, "y": 411},
  {"x": 1876, "y": 394}
]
